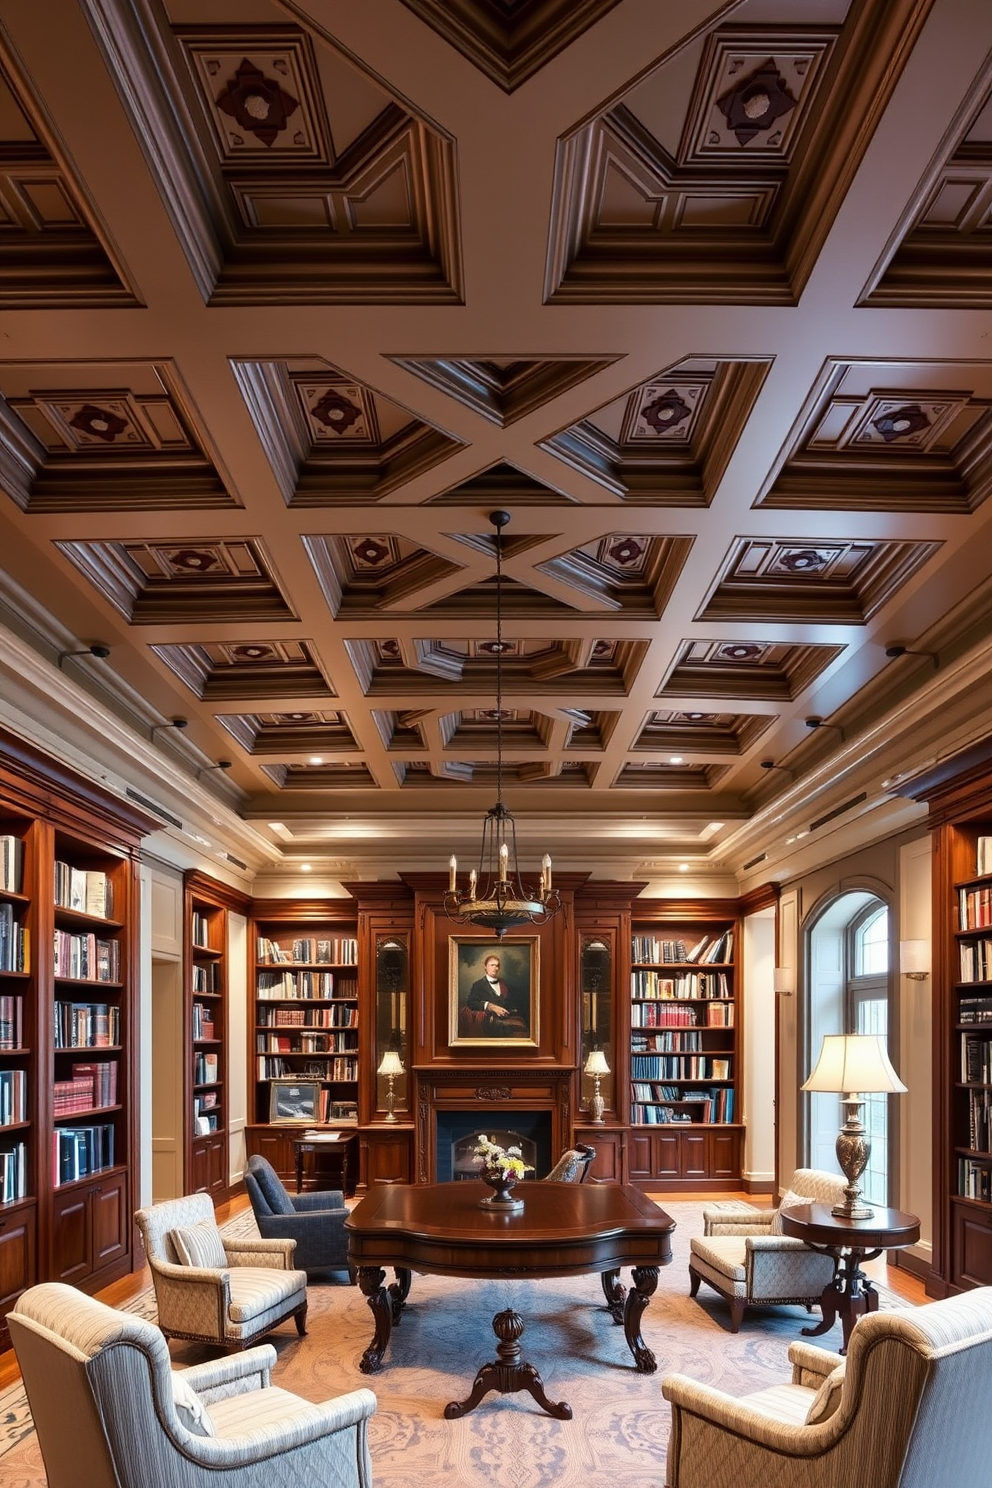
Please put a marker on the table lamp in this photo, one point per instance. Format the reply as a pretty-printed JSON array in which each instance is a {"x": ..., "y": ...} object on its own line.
[
  {"x": 596, "y": 1066},
  {"x": 391, "y": 1065},
  {"x": 853, "y": 1065}
]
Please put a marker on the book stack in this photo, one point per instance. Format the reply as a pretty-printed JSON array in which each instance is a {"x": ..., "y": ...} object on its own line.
[
  {"x": 975, "y": 1010},
  {"x": 983, "y": 856},
  {"x": 201, "y": 930},
  {"x": 206, "y": 978},
  {"x": 11, "y": 1022},
  {"x": 69, "y": 1097},
  {"x": 14, "y": 1173},
  {"x": 102, "y": 1074},
  {"x": 648, "y": 948},
  {"x": 203, "y": 1021},
  {"x": 13, "y": 941},
  {"x": 78, "y": 1151},
  {"x": 11, "y": 853},
  {"x": 13, "y": 1096},
  {"x": 86, "y": 890},
  {"x": 87, "y": 1025},
  {"x": 84, "y": 958},
  {"x": 205, "y": 1069}
]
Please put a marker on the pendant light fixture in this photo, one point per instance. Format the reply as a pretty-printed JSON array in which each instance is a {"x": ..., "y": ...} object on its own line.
[{"x": 496, "y": 896}]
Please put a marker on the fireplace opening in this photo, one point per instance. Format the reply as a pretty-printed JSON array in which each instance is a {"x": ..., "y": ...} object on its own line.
[{"x": 459, "y": 1131}]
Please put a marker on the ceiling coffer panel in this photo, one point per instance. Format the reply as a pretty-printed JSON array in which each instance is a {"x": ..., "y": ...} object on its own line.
[
  {"x": 295, "y": 732},
  {"x": 746, "y": 669},
  {"x": 595, "y": 667},
  {"x": 228, "y": 671}
]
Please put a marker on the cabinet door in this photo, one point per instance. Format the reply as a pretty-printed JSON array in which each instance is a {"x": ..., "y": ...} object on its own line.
[
  {"x": 17, "y": 1258},
  {"x": 277, "y": 1148},
  {"x": 724, "y": 1152},
  {"x": 390, "y": 1158},
  {"x": 108, "y": 1221},
  {"x": 971, "y": 1245},
  {"x": 72, "y": 1253},
  {"x": 639, "y": 1152},
  {"x": 209, "y": 1165},
  {"x": 695, "y": 1154}
]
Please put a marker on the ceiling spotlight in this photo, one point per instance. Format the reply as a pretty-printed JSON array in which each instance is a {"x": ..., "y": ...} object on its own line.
[
  {"x": 316, "y": 759},
  {"x": 771, "y": 765},
  {"x": 892, "y": 652},
  {"x": 98, "y": 650},
  {"x": 304, "y": 867},
  {"x": 173, "y": 723},
  {"x": 817, "y": 723}
]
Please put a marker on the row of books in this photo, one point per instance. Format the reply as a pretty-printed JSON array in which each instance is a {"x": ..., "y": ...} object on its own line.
[
  {"x": 306, "y": 1043},
  {"x": 338, "y": 950},
  {"x": 974, "y": 1180},
  {"x": 980, "y": 1120},
  {"x": 650, "y": 986},
  {"x": 201, "y": 929},
  {"x": 205, "y": 1124},
  {"x": 678, "y": 1041},
  {"x": 87, "y": 1025},
  {"x": 295, "y": 985},
  {"x": 976, "y": 1060},
  {"x": 205, "y": 978},
  {"x": 704, "y": 1106},
  {"x": 681, "y": 1015},
  {"x": 11, "y": 863},
  {"x": 710, "y": 949},
  {"x": 341, "y": 1067},
  {"x": 78, "y": 1151},
  {"x": 11, "y": 1022},
  {"x": 87, "y": 890},
  {"x": 983, "y": 855},
  {"x": 13, "y": 1096},
  {"x": 89, "y": 1087},
  {"x": 13, "y": 1173},
  {"x": 976, "y": 960},
  {"x": 975, "y": 908},
  {"x": 84, "y": 958},
  {"x": 13, "y": 941},
  {"x": 344, "y": 1015},
  {"x": 678, "y": 1067},
  {"x": 206, "y": 1068},
  {"x": 975, "y": 1010},
  {"x": 203, "y": 1021}
]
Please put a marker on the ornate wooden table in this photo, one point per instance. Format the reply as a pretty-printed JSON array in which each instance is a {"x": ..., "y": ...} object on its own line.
[
  {"x": 850, "y": 1241},
  {"x": 564, "y": 1229}
]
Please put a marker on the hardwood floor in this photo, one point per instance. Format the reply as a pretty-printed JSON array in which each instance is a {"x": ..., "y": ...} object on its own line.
[{"x": 896, "y": 1278}]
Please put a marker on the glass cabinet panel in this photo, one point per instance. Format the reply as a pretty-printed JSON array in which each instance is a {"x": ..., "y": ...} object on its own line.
[
  {"x": 596, "y": 985},
  {"x": 392, "y": 996}
]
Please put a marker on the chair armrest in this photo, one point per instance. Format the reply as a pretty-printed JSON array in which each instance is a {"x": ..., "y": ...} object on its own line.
[
  {"x": 308, "y": 1423},
  {"x": 780, "y": 1244},
  {"x": 276, "y": 1254},
  {"x": 736, "y": 1421},
  {"x": 191, "y": 1299},
  {"x": 330, "y": 1200},
  {"x": 811, "y": 1365},
  {"x": 736, "y": 1218},
  {"x": 235, "y": 1374}
]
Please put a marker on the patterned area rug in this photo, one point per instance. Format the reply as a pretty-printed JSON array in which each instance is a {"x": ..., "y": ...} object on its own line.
[{"x": 619, "y": 1430}]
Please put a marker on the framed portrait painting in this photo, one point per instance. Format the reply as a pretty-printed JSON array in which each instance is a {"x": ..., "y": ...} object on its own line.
[{"x": 493, "y": 990}]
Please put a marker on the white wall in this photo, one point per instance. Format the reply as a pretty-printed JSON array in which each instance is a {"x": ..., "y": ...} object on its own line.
[
  {"x": 915, "y": 1048},
  {"x": 237, "y": 1045},
  {"x": 758, "y": 955}
]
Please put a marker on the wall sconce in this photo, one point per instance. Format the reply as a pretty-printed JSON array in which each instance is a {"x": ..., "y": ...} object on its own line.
[
  {"x": 390, "y": 1065},
  {"x": 596, "y": 1066},
  {"x": 782, "y": 979},
  {"x": 914, "y": 959}
]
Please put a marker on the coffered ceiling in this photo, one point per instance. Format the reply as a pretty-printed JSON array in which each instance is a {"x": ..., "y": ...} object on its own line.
[{"x": 296, "y": 292}]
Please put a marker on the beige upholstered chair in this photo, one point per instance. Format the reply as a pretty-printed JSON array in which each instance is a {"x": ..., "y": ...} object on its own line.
[
  {"x": 110, "y": 1412},
  {"x": 573, "y": 1165},
  {"x": 227, "y": 1292},
  {"x": 909, "y": 1409},
  {"x": 742, "y": 1256}
]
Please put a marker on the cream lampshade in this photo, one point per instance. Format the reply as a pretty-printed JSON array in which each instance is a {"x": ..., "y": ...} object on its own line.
[
  {"x": 596, "y": 1066},
  {"x": 390, "y": 1065},
  {"x": 853, "y": 1065}
]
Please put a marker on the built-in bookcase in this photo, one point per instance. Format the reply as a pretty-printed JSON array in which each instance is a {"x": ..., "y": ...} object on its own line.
[
  {"x": 207, "y": 1082},
  {"x": 684, "y": 1067}
]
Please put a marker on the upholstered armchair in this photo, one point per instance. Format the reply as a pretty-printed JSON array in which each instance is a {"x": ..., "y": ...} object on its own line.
[
  {"x": 314, "y": 1220},
  {"x": 215, "y": 1290},
  {"x": 909, "y": 1408},
  {"x": 111, "y": 1412},
  {"x": 573, "y": 1165},
  {"x": 744, "y": 1256}
]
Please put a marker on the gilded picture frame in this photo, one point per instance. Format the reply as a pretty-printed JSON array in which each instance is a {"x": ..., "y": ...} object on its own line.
[
  {"x": 294, "y": 1102},
  {"x": 500, "y": 1013}
]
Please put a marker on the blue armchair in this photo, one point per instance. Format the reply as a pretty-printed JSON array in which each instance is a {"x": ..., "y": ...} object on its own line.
[{"x": 314, "y": 1220}]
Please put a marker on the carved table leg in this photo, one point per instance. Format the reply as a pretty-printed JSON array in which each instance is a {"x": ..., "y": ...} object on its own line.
[
  {"x": 370, "y": 1279},
  {"x": 399, "y": 1291},
  {"x": 507, "y": 1374},
  {"x": 614, "y": 1294},
  {"x": 849, "y": 1296},
  {"x": 645, "y": 1279}
]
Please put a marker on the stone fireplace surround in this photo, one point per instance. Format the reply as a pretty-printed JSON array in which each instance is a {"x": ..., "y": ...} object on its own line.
[{"x": 453, "y": 1102}]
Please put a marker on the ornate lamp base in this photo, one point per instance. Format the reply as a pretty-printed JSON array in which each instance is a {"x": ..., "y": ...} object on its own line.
[{"x": 853, "y": 1151}]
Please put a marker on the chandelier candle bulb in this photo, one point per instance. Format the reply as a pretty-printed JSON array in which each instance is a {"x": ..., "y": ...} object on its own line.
[
  {"x": 472, "y": 881},
  {"x": 546, "y": 874},
  {"x": 504, "y": 857},
  {"x": 452, "y": 871}
]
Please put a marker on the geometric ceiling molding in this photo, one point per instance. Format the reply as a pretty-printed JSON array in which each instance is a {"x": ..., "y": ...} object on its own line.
[
  {"x": 290, "y": 733},
  {"x": 329, "y": 775},
  {"x": 939, "y": 254},
  {"x": 590, "y": 666},
  {"x": 570, "y": 773},
  {"x": 837, "y": 582},
  {"x": 588, "y": 729},
  {"x": 890, "y": 436},
  {"x": 667, "y": 442},
  {"x": 504, "y": 484},
  {"x": 669, "y": 731},
  {"x": 53, "y": 255},
  {"x": 632, "y": 575},
  {"x": 103, "y": 437},
  {"x": 503, "y": 389},
  {"x": 519, "y": 601},
  {"x": 182, "y": 582},
  {"x": 746, "y": 669},
  {"x": 297, "y": 178},
  {"x": 731, "y": 202},
  {"x": 330, "y": 439},
  {"x": 371, "y": 572},
  {"x": 648, "y": 775},
  {"x": 476, "y": 729},
  {"x": 509, "y": 40},
  {"x": 225, "y": 671}
]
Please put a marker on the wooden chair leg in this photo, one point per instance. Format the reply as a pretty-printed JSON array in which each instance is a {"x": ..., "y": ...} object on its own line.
[
  {"x": 737, "y": 1306},
  {"x": 694, "y": 1280},
  {"x": 301, "y": 1321}
]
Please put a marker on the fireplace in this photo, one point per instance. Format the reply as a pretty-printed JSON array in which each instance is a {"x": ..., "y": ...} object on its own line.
[{"x": 455, "y": 1104}]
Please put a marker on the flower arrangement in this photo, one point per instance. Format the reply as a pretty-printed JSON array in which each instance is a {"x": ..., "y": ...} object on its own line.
[{"x": 500, "y": 1162}]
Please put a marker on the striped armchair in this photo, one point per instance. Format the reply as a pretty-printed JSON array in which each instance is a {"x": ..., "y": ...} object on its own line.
[
  {"x": 909, "y": 1408},
  {"x": 743, "y": 1256},
  {"x": 111, "y": 1412}
]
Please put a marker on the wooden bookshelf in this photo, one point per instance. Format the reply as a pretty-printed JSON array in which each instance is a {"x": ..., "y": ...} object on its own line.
[{"x": 206, "y": 1033}]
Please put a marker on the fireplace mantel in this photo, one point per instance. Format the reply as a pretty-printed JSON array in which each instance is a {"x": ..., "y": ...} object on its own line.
[{"x": 495, "y": 1091}]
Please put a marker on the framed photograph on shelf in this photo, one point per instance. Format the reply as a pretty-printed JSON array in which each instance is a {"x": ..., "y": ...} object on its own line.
[
  {"x": 493, "y": 990},
  {"x": 294, "y": 1101}
]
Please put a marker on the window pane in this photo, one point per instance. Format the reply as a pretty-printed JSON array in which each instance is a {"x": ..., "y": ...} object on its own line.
[{"x": 871, "y": 946}]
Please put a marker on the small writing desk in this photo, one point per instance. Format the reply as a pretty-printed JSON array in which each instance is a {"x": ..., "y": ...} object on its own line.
[{"x": 331, "y": 1152}]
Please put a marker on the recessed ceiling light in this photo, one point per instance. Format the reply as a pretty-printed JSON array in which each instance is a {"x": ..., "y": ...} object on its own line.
[
  {"x": 316, "y": 759},
  {"x": 683, "y": 867},
  {"x": 304, "y": 867},
  {"x": 676, "y": 759}
]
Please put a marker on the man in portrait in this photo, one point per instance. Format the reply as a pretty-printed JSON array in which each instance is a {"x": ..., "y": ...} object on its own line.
[{"x": 500, "y": 1008}]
